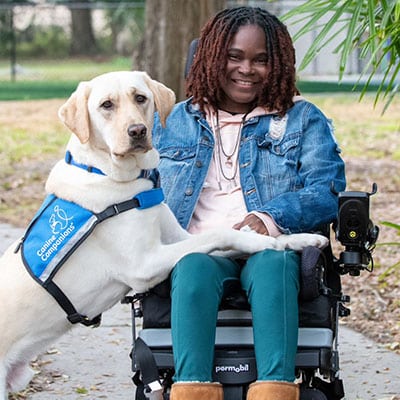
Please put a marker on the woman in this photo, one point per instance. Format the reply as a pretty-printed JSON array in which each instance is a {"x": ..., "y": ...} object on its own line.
[{"x": 246, "y": 151}]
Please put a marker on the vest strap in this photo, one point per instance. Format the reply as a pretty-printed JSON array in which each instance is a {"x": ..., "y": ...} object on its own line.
[{"x": 72, "y": 315}]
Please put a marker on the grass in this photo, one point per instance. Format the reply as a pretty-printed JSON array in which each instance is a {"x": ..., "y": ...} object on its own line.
[
  {"x": 30, "y": 131},
  {"x": 361, "y": 129},
  {"x": 64, "y": 69},
  {"x": 27, "y": 90},
  {"x": 51, "y": 79}
]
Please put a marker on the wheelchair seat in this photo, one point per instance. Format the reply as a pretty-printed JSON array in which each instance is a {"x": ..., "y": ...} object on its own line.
[{"x": 317, "y": 360}]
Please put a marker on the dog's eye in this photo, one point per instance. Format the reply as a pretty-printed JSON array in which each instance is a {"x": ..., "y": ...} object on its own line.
[
  {"x": 140, "y": 99},
  {"x": 107, "y": 104}
]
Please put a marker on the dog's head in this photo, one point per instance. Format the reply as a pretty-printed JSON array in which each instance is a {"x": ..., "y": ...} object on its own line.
[{"x": 114, "y": 112}]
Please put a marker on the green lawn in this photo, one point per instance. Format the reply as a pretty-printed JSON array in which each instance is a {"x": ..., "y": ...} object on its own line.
[{"x": 27, "y": 90}]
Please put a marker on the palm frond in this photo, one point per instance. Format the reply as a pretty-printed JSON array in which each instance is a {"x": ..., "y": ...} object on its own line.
[{"x": 371, "y": 26}]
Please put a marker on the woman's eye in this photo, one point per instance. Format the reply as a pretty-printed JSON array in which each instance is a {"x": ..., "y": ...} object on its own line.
[
  {"x": 233, "y": 57},
  {"x": 261, "y": 60},
  {"x": 107, "y": 104},
  {"x": 140, "y": 98}
]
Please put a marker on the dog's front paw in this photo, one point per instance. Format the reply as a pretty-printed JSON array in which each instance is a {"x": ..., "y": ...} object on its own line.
[
  {"x": 299, "y": 241},
  {"x": 253, "y": 242}
]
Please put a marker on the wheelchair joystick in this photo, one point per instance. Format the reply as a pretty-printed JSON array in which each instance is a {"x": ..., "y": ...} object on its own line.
[{"x": 355, "y": 231}]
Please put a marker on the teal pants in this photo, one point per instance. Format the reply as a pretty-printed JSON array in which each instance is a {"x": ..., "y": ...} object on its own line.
[{"x": 271, "y": 281}]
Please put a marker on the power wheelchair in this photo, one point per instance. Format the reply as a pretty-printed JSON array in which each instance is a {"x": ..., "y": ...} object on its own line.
[{"x": 321, "y": 304}]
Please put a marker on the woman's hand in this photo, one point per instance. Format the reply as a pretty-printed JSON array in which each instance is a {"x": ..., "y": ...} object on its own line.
[{"x": 253, "y": 223}]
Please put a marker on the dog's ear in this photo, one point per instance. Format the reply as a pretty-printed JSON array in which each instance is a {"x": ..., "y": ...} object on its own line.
[
  {"x": 164, "y": 98},
  {"x": 74, "y": 112}
]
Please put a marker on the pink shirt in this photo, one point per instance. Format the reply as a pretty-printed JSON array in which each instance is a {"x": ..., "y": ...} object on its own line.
[{"x": 221, "y": 202}]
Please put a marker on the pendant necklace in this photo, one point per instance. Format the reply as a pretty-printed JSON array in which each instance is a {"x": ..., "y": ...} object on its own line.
[{"x": 230, "y": 161}]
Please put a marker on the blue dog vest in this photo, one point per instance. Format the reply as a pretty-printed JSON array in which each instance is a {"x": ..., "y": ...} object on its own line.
[
  {"x": 55, "y": 232},
  {"x": 60, "y": 226}
]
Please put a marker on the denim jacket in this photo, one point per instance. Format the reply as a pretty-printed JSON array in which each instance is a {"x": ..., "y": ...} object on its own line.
[{"x": 286, "y": 174}]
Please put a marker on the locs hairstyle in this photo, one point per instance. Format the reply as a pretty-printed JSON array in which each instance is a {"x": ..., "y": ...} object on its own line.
[{"x": 208, "y": 66}]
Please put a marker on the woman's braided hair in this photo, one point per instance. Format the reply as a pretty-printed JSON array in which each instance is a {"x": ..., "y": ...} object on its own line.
[{"x": 207, "y": 68}]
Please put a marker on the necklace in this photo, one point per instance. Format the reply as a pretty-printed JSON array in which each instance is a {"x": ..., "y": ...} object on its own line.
[{"x": 232, "y": 158}]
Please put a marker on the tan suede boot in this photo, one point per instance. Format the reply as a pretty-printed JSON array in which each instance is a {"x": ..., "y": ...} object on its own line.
[
  {"x": 196, "y": 391},
  {"x": 273, "y": 390}
]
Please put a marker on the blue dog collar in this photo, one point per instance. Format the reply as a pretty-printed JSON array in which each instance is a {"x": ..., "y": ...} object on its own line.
[
  {"x": 151, "y": 174},
  {"x": 70, "y": 160}
]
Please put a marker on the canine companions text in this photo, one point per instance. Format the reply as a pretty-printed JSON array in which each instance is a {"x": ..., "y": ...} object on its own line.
[{"x": 108, "y": 154}]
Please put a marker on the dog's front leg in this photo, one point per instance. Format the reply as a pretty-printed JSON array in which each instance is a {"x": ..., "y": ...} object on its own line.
[
  {"x": 170, "y": 230},
  {"x": 18, "y": 377},
  {"x": 161, "y": 259},
  {"x": 161, "y": 256},
  {"x": 218, "y": 239},
  {"x": 227, "y": 240}
]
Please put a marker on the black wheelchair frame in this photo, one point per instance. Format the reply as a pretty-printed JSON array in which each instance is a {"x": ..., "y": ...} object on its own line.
[{"x": 321, "y": 304}]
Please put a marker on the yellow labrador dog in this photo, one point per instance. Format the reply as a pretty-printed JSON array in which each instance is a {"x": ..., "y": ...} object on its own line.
[{"x": 111, "y": 121}]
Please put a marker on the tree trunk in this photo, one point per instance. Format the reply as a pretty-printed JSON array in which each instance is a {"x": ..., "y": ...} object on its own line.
[
  {"x": 83, "y": 41},
  {"x": 170, "y": 27}
]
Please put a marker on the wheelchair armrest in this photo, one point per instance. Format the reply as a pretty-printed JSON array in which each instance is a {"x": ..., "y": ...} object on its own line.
[{"x": 312, "y": 265}]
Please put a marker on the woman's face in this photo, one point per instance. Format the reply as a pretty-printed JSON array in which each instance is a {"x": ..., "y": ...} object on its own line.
[{"x": 246, "y": 70}]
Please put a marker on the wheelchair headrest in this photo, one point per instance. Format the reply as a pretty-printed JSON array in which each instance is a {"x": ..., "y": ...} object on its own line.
[{"x": 190, "y": 56}]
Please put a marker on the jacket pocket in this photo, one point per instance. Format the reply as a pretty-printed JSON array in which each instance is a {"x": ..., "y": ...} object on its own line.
[
  {"x": 177, "y": 154},
  {"x": 277, "y": 162},
  {"x": 281, "y": 146},
  {"x": 175, "y": 167}
]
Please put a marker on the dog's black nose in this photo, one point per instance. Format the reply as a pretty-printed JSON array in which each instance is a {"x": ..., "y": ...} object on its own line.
[{"x": 137, "y": 131}]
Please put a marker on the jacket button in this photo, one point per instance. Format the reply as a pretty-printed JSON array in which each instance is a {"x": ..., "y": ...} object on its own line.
[
  {"x": 199, "y": 164},
  {"x": 189, "y": 191}
]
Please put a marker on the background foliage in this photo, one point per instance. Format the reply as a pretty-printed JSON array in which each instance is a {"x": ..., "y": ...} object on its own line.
[{"x": 373, "y": 26}]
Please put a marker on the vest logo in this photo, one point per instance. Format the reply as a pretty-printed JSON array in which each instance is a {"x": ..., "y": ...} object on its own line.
[
  {"x": 61, "y": 228},
  {"x": 56, "y": 229},
  {"x": 237, "y": 369},
  {"x": 59, "y": 220}
]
